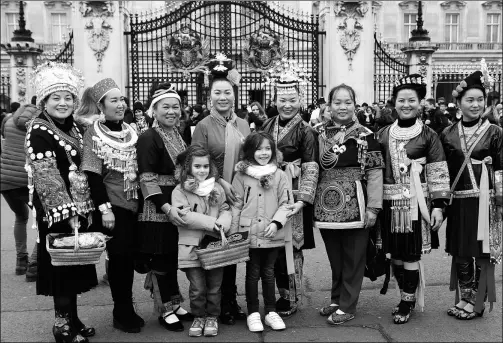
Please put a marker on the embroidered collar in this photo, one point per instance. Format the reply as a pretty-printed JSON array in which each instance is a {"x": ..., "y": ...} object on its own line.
[{"x": 280, "y": 134}]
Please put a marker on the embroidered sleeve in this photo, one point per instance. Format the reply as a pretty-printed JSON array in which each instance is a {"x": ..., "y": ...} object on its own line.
[
  {"x": 498, "y": 185},
  {"x": 149, "y": 184},
  {"x": 373, "y": 160},
  {"x": 285, "y": 197},
  {"x": 308, "y": 181},
  {"x": 374, "y": 187},
  {"x": 47, "y": 180},
  {"x": 497, "y": 148},
  {"x": 437, "y": 178},
  {"x": 90, "y": 160}
]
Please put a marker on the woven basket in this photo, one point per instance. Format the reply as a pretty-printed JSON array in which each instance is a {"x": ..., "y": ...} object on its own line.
[
  {"x": 231, "y": 250},
  {"x": 75, "y": 256}
]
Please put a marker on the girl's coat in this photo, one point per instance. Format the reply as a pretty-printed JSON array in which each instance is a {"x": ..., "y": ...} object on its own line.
[
  {"x": 200, "y": 221},
  {"x": 258, "y": 207}
]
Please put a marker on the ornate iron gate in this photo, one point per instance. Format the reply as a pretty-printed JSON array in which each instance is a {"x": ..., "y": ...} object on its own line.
[
  {"x": 67, "y": 52},
  {"x": 175, "y": 47},
  {"x": 386, "y": 71}
]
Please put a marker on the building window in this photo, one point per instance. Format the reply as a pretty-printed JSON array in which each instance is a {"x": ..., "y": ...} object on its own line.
[
  {"x": 451, "y": 27},
  {"x": 58, "y": 26},
  {"x": 493, "y": 28},
  {"x": 12, "y": 24},
  {"x": 409, "y": 23}
]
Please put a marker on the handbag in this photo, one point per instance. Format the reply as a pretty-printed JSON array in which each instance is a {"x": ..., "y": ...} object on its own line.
[
  {"x": 224, "y": 252},
  {"x": 377, "y": 263}
]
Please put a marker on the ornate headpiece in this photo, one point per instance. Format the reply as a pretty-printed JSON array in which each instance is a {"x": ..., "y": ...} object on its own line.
[
  {"x": 52, "y": 77},
  {"x": 413, "y": 81},
  {"x": 479, "y": 79},
  {"x": 289, "y": 77},
  {"x": 163, "y": 92},
  {"x": 101, "y": 88},
  {"x": 221, "y": 68}
]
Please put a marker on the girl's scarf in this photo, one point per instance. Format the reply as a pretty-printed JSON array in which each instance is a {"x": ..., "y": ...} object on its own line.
[
  {"x": 205, "y": 189},
  {"x": 264, "y": 174},
  {"x": 233, "y": 141}
]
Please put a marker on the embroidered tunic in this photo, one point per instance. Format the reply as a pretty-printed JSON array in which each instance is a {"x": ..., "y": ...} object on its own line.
[
  {"x": 350, "y": 179},
  {"x": 483, "y": 144},
  {"x": 46, "y": 146},
  {"x": 156, "y": 165},
  {"x": 415, "y": 180},
  {"x": 298, "y": 143}
]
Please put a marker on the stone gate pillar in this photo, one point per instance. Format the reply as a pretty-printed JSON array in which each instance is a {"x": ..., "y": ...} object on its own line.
[
  {"x": 419, "y": 53},
  {"x": 98, "y": 33},
  {"x": 348, "y": 53},
  {"x": 23, "y": 54}
]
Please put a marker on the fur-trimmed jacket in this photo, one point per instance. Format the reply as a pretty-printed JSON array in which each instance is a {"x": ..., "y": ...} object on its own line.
[
  {"x": 204, "y": 213},
  {"x": 261, "y": 201}
]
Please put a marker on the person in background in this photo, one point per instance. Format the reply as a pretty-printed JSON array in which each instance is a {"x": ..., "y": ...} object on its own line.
[
  {"x": 14, "y": 185},
  {"x": 429, "y": 111},
  {"x": 381, "y": 104},
  {"x": 271, "y": 109},
  {"x": 197, "y": 116},
  {"x": 88, "y": 111},
  {"x": 13, "y": 107},
  {"x": 440, "y": 120},
  {"x": 367, "y": 118},
  {"x": 315, "y": 115},
  {"x": 141, "y": 122},
  {"x": 386, "y": 116},
  {"x": 258, "y": 116},
  {"x": 128, "y": 114}
]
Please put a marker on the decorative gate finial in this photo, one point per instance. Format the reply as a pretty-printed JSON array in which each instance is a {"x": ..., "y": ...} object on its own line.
[
  {"x": 186, "y": 52},
  {"x": 264, "y": 48}
]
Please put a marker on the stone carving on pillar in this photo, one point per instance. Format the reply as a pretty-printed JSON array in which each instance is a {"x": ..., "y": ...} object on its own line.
[
  {"x": 350, "y": 27},
  {"x": 97, "y": 27},
  {"x": 423, "y": 66},
  {"x": 21, "y": 82}
]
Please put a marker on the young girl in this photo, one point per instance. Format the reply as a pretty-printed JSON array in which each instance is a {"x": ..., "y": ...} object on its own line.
[
  {"x": 262, "y": 210},
  {"x": 208, "y": 214}
]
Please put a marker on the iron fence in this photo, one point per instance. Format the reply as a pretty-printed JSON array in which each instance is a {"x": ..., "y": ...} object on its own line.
[
  {"x": 172, "y": 47},
  {"x": 67, "y": 52},
  {"x": 387, "y": 70},
  {"x": 5, "y": 99}
]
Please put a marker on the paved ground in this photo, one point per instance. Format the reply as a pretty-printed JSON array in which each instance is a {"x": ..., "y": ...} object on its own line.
[{"x": 26, "y": 317}]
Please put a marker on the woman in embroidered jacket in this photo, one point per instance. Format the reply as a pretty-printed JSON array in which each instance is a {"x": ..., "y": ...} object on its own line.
[
  {"x": 61, "y": 199},
  {"x": 222, "y": 133},
  {"x": 473, "y": 148},
  {"x": 157, "y": 243},
  {"x": 416, "y": 189},
  {"x": 110, "y": 164},
  {"x": 208, "y": 214},
  {"x": 348, "y": 199},
  {"x": 297, "y": 142}
]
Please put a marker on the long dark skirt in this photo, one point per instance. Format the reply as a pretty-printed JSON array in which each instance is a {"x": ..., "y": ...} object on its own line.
[
  {"x": 308, "y": 228},
  {"x": 124, "y": 238},
  {"x": 64, "y": 280},
  {"x": 403, "y": 245},
  {"x": 462, "y": 226}
]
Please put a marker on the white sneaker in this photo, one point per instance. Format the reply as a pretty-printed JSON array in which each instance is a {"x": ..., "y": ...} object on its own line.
[
  {"x": 274, "y": 321},
  {"x": 254, "y": 322}
]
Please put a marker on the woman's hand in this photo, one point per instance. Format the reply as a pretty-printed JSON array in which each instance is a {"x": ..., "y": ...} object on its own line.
[
  {"x": 230, "y": 192},
  {"x": 437, "y": 218},
  {"x": 175, "y": 214},
  {"x": 370, "y": 219},
  {"x": 294, "y": 208},
  {"x": 108, "y": 220},
  {"x": 271, "y": 230},
  {"x": 74, "y": 223}
]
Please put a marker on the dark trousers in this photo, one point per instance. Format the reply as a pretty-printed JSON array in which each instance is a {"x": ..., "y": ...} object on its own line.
[
  {"x": 261, "y": 266},
  {"x": 346, "y": 250},
  {"x": 229, "y": 289},
  {"x": 165, "y": 268},
  {"x": 204, "y": 291}
]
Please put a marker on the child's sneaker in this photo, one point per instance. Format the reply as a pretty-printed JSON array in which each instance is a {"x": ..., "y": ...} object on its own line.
[
  {"x": 273, "y": 320},
  {"x": 254, "y": 322},
  {"x": 211, "y": 327},
  {"x": 197, "y": 327}
]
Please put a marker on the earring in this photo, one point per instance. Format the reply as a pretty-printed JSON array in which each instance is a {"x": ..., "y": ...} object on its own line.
[{"x": 101, "y": 118}]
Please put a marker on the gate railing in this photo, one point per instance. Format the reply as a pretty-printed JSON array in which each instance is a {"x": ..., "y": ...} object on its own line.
[
  {"x": 387, "y": 70},
  {"x": 227, "y": 27},
  {"x": 65, "y": 53}
]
